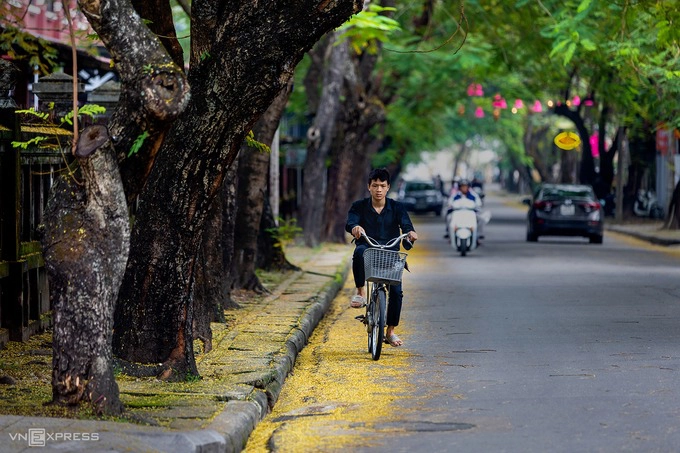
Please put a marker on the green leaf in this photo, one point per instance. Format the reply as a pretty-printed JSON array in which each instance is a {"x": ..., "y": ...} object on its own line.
[
  {"x": 558, "y": 48},
  {"x": 585, "y": 4},
  {"x": 368, "y": 26},
  {"x": 25, "y": 145},
  {"x": 250, "y": 141},
  {"x": 588, "y": 45},
  {"x": 137, "y": 145}
]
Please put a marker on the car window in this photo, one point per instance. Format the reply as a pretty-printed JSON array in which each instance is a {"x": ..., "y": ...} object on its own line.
[
  {"x": 417, "y": 186},
  {"x": 559, "y": 193}
]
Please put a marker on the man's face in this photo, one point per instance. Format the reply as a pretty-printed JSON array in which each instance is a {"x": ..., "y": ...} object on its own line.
[
  {"x": 378, "y": 189},
  {"x": 464, "y": 188}
]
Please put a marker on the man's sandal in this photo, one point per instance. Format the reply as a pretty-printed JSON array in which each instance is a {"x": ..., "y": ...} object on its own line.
[
  {"x": 357, "y": 301},
  {"x": 393, "y": 340}
]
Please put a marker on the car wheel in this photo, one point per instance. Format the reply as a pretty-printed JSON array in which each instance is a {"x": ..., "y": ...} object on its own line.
[
  {"x": 596, "y": 239},
  {"x": 531, "y": 237}
]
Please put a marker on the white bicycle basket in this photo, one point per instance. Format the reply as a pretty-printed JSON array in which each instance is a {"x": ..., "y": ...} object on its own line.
[{"x": 384, "y": 265}]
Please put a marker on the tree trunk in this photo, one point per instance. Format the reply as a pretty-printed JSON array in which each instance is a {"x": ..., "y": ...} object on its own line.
[
  {"x": 320, "y": 138},
  {"x": 85, "y": 245},
  {"x": 361, "y": 111},
  {"x": 642, "y": 151},
  {"x": 532, "y": 139},
  {"x": 253, "y": 172},
  {"x": 158, "y": 17},
  {"x": 229, "y": 214},
  {"x": 209, "y": 289},
  {"x": 567, "y": 166},
  {"x": 459, "y": 157},
  {"x": 607, "y": 164},
  {"x": 673, "y": 218},
  {"x": 362, "y": 168},
  {"x": 154, "y": 90},
  {"x": 587, "y": 167},
  {"x": 239, "y": 63}
]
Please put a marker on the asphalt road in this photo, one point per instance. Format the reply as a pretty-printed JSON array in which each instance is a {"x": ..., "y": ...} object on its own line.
[{"x": 555, "y": 346}]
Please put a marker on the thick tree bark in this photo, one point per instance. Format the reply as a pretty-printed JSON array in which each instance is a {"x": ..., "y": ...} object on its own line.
[
  {"x": 154, "y": 90},
  {"x": 158, "y": 15},
  {"x": 320, "y": 138},
  {"x": 314, "y": 75},
  {"x": 208, "y": 289},
  {"x": 85, "y": 245},
  {"x": 239, "y": 63},
  {"x": 253, "y": 173},
  {"x": 361, "y": 111},
  {"x": 229, "y": 214}
]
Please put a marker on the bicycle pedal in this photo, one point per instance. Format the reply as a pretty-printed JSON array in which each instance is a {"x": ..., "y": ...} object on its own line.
[{"x": 361, "y": 318}]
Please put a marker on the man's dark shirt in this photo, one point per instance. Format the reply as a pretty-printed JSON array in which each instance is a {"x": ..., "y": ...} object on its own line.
[{"x": 381, "y": 227}]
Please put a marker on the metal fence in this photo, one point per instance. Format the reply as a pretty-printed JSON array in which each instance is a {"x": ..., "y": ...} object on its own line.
[{"x": 26, "y": 176}]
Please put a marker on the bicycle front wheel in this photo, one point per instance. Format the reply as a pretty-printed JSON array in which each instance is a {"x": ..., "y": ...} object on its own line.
[{"x": 378, "y": 331}]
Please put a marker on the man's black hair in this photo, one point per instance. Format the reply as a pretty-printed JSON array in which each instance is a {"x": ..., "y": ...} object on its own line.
[{"x": 380, "y": 174}]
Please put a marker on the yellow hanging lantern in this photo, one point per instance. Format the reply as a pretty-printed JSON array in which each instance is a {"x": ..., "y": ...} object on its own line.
[{"x": 567, "y": 140}]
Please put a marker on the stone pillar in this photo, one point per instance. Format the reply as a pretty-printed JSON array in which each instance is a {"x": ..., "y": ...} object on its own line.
[
  {"x": 56, "y": 88},
  {"x": 107, "y": 96}
]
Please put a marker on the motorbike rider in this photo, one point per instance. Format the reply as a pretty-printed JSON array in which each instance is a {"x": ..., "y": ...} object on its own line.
[{"x": 465, "y": 192}]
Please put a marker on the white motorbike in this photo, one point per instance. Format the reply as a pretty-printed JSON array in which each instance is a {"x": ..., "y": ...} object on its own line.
[
  {"x": 463, "y": 225},
  {"x": 646, "y": 205}
]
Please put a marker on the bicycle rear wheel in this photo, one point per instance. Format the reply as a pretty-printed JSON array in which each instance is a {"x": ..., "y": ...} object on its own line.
[
  {"x": 377, "y": 335},
  {"x": 369, "y": 321}
]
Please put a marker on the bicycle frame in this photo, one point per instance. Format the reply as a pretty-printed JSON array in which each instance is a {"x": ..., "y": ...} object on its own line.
[{"x": 376, "y": 307}]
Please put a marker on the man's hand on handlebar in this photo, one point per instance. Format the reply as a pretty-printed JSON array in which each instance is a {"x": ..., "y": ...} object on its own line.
[
  {"x": 357, "y": 231},
  {"x": 412, "y": 236}
]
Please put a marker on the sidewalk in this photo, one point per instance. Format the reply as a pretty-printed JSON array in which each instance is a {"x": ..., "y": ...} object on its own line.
[
  {"x": 241, "y": 377},
  {"x": 650, "y": 231}
]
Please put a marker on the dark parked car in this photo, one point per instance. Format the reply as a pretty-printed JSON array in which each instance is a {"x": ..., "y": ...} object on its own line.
[
  {"x": 564, "y": 210},
  {"x": 420, "y": 196}
]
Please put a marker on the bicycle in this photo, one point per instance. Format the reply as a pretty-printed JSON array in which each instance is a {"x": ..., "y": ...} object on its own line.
[{"x": 383, "y": 268}]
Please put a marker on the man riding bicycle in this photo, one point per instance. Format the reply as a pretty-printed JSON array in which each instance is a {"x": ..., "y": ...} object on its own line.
[{"x": 382, "y": 219}]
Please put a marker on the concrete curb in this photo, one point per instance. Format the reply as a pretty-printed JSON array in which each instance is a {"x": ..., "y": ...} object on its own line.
[
  {"x": 652, "y": 238},
  {"x": 239, "y": 418}
]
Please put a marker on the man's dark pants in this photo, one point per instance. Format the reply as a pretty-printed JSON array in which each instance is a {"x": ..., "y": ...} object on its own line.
[{"x": 396, "y": 293}]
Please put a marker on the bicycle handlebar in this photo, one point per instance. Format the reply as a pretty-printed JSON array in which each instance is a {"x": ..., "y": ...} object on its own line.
[{"x": 392, "y": 242}]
